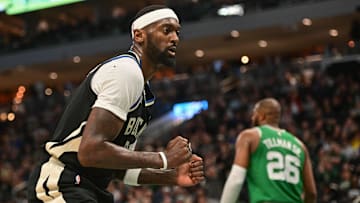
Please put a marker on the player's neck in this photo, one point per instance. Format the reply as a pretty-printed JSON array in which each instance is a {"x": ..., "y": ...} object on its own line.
[
  {"x": 147, "y": 67},
  {"x": 272, "y": 125}
]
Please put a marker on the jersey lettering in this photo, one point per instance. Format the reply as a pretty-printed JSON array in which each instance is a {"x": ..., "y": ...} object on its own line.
[
  {"x": 135, "y": 130},
  {"x": 130, "y": 126},
  {"x": 134, "y": 126}
]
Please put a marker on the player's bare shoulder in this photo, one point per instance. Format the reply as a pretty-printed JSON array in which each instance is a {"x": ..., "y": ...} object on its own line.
[
  {"x": 250, "y": 133},
  {"x": 250, "y": 136}
]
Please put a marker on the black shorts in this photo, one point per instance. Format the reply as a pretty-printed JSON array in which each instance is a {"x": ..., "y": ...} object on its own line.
[{"x": 52, "y": 181}]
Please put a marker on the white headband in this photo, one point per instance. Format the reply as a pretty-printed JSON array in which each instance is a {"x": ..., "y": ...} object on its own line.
[{"x": 152, "y": 17}]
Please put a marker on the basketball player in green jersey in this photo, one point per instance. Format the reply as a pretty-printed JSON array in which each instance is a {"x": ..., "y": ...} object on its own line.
[{"x": 277, "y": 165}]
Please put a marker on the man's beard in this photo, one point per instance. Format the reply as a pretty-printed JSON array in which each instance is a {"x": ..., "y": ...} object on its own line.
[
  {"x": 160, "y": 57},
  {"x": 255, "y": 122}
]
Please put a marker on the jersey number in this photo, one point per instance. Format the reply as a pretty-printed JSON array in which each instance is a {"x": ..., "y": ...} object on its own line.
[{"x": 283, "y": 168}]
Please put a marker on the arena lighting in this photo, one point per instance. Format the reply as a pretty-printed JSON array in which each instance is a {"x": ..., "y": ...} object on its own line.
[
  {"x": 187, "y": 110},
  {"x": 76, "y": 59},
  {"x": 234, "y": 34},
  {"x": 245, "y": 59},
  {"x": 11, "y": 116},
  {"x": 53, "y": 75},
  {"x": 199, "y": 53},
  {"x": 333, "y": 32},
  {"x": 14, "y": 7},
  {"x": 231, "y": 10},
  {"x": 48, "y": 91},
  {"x": 19, "y": 95},
  {"x": 306, "y": 21},
  {"x": 262, "y": 43},
  {"x": 3, "y": 116},
  {"x": 179, "y": 114},
  {"x": 3, "y": 5},
  {"x": 21, "y": 89},
  {"x": 351, "y": 43}
]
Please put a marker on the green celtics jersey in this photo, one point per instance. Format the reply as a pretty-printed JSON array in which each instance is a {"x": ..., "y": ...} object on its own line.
[{"x": 275, "y": 168}]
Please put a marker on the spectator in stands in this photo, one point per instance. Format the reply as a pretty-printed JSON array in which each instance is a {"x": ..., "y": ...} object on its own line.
[{"x": 18, "y": 137}]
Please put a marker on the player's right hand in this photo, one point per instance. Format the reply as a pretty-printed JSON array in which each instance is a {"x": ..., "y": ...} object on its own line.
[{"x": 177, "y": 152}]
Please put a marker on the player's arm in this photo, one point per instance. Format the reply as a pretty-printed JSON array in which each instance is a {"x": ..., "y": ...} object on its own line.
[
  {"x": 309, "y": 182},
  {"x": 187, "y": 174},
  {"x": 237, "y": 174},
  {"x": 97, "y": 150},
  {"x": 118, "y": 86}
]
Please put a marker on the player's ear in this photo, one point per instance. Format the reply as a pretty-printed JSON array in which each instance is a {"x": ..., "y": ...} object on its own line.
[
  {"x": 262, "y": 116},
  {"x": 139, "y": 36}
]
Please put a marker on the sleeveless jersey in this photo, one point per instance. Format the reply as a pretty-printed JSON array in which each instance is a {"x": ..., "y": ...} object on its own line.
[
  {"x": 275, "y": 170},
  {"x": 65, "y": 142}
]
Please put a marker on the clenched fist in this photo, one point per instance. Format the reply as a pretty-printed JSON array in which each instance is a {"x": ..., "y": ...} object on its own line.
[
  {"x": 191, "y": 173},
  {"x": 177, "y": 152}
]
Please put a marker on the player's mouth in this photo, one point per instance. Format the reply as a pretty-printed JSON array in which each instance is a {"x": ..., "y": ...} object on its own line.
[{"x": 172, "y": 50}]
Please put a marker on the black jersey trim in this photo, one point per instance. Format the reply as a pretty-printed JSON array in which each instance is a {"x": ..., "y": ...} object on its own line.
[
  {"x": 149, "y": 96},
  {"x": 47, "y": 190},
  {"x": 136, "y": 103}
]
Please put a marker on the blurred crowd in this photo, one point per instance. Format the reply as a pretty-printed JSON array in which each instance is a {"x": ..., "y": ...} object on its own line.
[
  {"x": 320, "y": 105},
  {"x": 51, "y": 29}
]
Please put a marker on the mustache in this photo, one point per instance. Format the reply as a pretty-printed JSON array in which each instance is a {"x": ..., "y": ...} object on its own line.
[{"x": 172, "y": 48}]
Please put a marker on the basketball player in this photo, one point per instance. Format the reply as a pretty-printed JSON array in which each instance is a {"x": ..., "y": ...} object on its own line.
[
  {"x": 96, "y": 135},
  {"x": 276, "y": 163}
]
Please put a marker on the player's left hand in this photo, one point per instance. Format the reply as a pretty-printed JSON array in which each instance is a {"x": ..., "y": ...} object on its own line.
[{"x": 191, "y": 173}]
